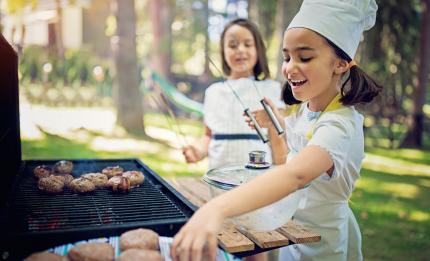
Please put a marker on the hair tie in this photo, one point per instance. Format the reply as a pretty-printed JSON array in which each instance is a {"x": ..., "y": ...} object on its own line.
[{"x": 352, "y": 63}]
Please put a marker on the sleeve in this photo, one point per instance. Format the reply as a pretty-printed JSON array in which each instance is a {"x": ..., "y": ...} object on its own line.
[{"x": 334, "y": 134}]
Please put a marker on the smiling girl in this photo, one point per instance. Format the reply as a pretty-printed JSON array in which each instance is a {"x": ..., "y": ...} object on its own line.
[
  {"x": 324, "y": 137},
  {"x": 227, "y": 138}
]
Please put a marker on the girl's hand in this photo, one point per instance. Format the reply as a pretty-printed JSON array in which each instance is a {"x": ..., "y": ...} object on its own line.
[
  {"x": 192, "y": 153},
  {"x": 197, "y": 239},
  {"x": 263, "y": 119}
]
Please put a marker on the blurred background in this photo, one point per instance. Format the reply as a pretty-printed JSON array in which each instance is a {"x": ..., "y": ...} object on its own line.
[{"x": 126, "y": 78}]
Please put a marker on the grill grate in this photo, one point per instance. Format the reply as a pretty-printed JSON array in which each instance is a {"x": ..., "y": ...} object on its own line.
[{"x": 154, "y": 205}]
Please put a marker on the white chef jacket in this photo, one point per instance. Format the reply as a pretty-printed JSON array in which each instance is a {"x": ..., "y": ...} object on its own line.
[
  {"x": 223, "y": 114},
  {"x": 326, "y": 210}
]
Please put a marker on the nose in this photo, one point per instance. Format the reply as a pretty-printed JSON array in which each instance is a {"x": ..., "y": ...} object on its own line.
[
  {"x": 241, "y": 48},
  {"x": 289, "y": 68}
]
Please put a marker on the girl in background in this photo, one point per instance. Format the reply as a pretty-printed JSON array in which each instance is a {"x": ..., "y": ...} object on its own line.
[{"x": 227, "y": 138}]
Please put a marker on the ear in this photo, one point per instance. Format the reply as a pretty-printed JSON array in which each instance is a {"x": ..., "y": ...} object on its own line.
[{"x": 341, "y": 66}]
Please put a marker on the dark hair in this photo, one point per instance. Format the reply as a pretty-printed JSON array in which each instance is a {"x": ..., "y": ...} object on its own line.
[
  {"x": 361, "y": 90},
  {"x": 261, "y": 67}
]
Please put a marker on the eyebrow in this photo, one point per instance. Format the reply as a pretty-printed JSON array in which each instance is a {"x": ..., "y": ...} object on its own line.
[
  {"x": 245, "y": 40},
  {"x": 304, "y": 48}
]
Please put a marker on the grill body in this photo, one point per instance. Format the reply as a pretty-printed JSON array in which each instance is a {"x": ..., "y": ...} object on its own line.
[{"x": 34, "y": 221}]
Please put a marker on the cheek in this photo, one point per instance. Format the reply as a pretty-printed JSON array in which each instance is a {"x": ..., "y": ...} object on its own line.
[
  {"x": 284, "y": 69},
  {"x": 228, "y": 57}
]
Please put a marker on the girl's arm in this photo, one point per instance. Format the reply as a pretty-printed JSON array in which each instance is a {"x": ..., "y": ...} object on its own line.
[
  {"x": 199, "y": 149},
  {"x": 275, "y": 184}
]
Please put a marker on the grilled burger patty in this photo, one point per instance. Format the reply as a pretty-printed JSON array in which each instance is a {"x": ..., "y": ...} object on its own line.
[{"x": 82, "y": 185}]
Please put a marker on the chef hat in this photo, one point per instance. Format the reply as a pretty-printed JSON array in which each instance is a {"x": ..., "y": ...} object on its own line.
[{"x": 340, "y": 21}]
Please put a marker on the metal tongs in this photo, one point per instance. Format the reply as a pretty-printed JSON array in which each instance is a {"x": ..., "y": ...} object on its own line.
[
  {"x": 248, "y": 113},
  {"x": 269, "y": 111}
]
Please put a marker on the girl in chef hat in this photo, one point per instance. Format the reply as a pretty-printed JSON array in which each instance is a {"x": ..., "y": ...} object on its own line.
[{"x": 324, "y": 140}]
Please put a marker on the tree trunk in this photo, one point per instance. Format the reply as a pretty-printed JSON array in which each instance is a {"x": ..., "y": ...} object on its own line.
[
  {"x": 59, "y": 30},
  {"x": 161, "y": 22},
  {"x": 253, "y": 13},
  {"x": 126, "y": 88},
  {"x": 416, "y": 125},
  {"x": 285, "y": 12},
  {"x": 206, "y": 73}
]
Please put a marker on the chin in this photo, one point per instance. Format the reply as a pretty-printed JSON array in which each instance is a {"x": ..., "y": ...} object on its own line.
[{"x": 299, "y": 97}]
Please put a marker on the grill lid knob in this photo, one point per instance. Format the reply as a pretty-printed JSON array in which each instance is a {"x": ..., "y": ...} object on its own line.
[{"x": 257, "y": 160}]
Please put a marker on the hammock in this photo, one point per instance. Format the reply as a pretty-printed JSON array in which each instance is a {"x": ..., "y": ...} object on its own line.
[{"x": 177, "y": 97}]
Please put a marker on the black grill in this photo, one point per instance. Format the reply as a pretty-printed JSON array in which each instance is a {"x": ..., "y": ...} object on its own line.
[{"x": 36, "y": 220}]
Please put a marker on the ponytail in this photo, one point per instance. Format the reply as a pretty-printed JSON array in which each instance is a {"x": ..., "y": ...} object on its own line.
[{"x": 361, "y": 90}]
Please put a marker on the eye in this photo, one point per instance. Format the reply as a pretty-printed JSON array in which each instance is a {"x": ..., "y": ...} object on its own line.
[
  {"x": 287, "y": 58},
  {"x": 305, "y": 59},
  {"x": 232, "y": 45}
]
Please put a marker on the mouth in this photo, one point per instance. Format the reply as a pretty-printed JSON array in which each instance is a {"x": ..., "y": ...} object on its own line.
[
  {"x": 241, "y": 60},
  {"x": 297, "y": 83}
]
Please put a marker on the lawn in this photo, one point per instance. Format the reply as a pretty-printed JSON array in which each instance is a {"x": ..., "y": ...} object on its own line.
[{"x": 391, "y": 200}]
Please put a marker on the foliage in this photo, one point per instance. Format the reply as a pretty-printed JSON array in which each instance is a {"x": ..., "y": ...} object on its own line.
[
  {"x": 77, "y": 69},
  {"x": 31, "y": 63},
  {"x": 393, "y": 65}
]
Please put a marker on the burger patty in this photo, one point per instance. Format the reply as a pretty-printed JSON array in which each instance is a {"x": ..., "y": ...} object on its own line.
[
  {"x": 82, "y": 185},
  {"x": 136, "y": 177},
  {"x": 51, "y": 184},
  {"x": 112, "y": 171},
  {"x": 45, "y": 256},
  {"x": 98, "y": 179},
  {"x": 95, "y": 251},
  {"x": 134, "y": 254},
  {"x": 139, "y": 238},
  {"x": 42, "y": 171}
]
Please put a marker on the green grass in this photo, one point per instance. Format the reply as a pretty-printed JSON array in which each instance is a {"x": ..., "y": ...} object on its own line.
[
  {"x": 161, "y": 157},
  {"x": 392, "y": 205},
  {"x": 391, "y": 200}
]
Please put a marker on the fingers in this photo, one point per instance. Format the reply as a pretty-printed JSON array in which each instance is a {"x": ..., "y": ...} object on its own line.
[
  {"x": 190, "y": 154},
  {"x": 197, "y": 248},
  {"x": 175, "y": 248},
  {"x": 186, "y": 248},
  {"x": 212, "y": 247},
  {"x": 275, "y": 109}
]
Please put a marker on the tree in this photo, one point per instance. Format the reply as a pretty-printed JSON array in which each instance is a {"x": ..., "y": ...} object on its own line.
[
  {"x": 261, "y": 13},
  {"x": 392, "y": 65},
  {"x": 59, "y": 30},
  {"x": 285, "y": 11},
  {"x": 161, "y": 22},
  {"x": 206, "y": 73},
  {"x": 416, "y": 123},
  {"x": 126, "y": 89}
]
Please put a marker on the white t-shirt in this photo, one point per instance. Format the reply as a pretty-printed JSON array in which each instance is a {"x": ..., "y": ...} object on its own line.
[
  {"x": 223, "y": 114},
  {"x": 326, "y": 210}
]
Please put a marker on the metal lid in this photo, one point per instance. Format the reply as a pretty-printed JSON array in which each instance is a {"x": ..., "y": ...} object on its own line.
[{"x": 231, "y": 176}]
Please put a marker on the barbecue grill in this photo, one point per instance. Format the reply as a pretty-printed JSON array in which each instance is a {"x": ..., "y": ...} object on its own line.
[{"x": 32, "y": 221}]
